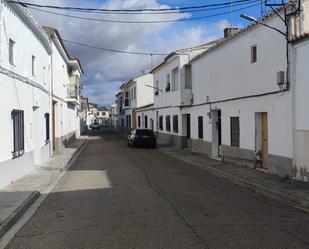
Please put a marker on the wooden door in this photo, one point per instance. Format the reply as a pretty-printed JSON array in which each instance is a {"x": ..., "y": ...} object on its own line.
[{"x": 264, "y": 140}]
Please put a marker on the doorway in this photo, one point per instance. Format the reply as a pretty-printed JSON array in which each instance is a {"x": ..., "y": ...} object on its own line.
[
  {"x": 188, "y": 126},
  {"x": 261, "y": 138},
  {"x": 216, "y": 133}
]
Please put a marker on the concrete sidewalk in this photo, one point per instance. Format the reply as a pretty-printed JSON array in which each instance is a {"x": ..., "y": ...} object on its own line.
[
  {"x": 295, "y": 193},
  {"x": 17, "y": 197}
]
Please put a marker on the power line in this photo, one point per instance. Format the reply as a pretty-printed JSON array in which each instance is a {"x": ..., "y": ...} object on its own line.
[
  {"x": 221, "y": 6},
  {"x": 112, "y": 50},
  {"x": 135, "y": 22},
  {"x": 120, "y": 10}
]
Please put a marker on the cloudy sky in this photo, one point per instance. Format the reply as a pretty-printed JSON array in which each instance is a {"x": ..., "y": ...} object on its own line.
[{"x": 106, "y": 71}]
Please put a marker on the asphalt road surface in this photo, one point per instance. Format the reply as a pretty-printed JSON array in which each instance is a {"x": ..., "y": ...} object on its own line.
[{"x": 117, "y": 197}]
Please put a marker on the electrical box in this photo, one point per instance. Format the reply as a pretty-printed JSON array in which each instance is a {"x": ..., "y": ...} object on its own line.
[{"x": 280, "y": 77}]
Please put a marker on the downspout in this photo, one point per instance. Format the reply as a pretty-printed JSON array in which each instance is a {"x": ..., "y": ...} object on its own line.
[{"x": 52, "y": 105}]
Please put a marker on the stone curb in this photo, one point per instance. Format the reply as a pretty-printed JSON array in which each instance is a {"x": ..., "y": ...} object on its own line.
[
  {"x": 292, "y": 199},
  {"x": 26, "y": 204},
  {"x": 18, "y": 212}
]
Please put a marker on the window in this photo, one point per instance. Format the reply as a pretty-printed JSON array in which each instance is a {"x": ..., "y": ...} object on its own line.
[
  {"x": 157, "y": 88},
  {"x": 175, "y": 80},
  {"x": 175, "y": 123},
  {"x": 161, "y": 123},
  {"x": 11, "y": 51},
  {"x": 33, "y": 65},
  {"x": 200, "y": 127},
  {"x": 235, "y": 131},
  {"x": 168, "y": 84},
  {"x": 253, "y": 54},
  {"x": 139, "y": 121},
  {"x": 168, "y": 122},
  {"x": 146, "y": 121},
  {"x": 18, "y": 133},
  {"x": 47, "y": 127}
]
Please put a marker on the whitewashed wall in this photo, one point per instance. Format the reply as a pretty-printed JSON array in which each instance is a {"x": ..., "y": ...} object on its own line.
[
  {"x": 301, "y": 109},
  {"x": 18, "y": 95},
  {"x": 144, "y": 94},
  {"x": 227, "y": 72}
]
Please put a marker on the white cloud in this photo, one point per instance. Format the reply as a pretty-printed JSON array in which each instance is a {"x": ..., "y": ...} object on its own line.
[{"x": 106, "y": 71}]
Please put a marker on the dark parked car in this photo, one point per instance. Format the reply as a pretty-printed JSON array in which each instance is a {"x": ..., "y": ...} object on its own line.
[{"x": 142, "y": 137}]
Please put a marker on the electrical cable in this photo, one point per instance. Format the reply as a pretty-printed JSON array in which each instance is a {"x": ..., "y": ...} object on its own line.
[
  {"x": 26, "y": 4},
  {"x": 149, "y": 22},
  {"x": 112, "y": 50},
  {"x": 234, "y": 4}
]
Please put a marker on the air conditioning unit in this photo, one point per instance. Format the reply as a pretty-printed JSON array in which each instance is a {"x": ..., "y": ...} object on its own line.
[{"x": 281, "y": 79}]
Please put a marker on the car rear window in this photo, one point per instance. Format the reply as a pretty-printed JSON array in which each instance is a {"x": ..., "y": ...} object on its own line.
[{"x": 145, "y": 132}]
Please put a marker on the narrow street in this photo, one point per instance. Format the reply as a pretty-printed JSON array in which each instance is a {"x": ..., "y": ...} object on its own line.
[{"x": 118, "y": 197}]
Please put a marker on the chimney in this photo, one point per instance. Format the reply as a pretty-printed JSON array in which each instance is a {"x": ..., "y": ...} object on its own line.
[{"x": 229, "y": 32}]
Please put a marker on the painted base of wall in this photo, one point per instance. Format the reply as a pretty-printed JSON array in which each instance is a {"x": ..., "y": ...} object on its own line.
[
  {"x": 302, "y": 155},
  {"x": 277, "y": 165},
  {"x": 200, "y": 146},
  {"x": 169, "y": 140},
  {"x": 64, "y": 141},
  {"x": 14, "y": 169}
]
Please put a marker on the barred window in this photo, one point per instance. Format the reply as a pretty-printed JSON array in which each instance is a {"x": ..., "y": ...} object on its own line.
[
  {"x": 235, "y": 133},
  {"x": 18, "y": 133},
  {"x": 47, "y": 127},
  {"x": 161, "y": 123},
  {"x": 168, "y": 122},
  {"x": 200, "y": 127},
  {"x": 139, "y": 121},
  {"x": 175, "y": 123}
]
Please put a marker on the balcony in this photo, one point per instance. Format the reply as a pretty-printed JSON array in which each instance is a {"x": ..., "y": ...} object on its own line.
[
  {"x": 74, "y": 80},
  {"x": 127, "y": 104},
  {"x": 73, "y": 94}
]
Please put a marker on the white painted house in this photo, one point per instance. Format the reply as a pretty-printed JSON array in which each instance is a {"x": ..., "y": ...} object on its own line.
[
  {"x": 240, "y": 97},
  {"x": 25, "y": 85},
  {"x": 173, "y": 90},
  {"x": 238, "y": 109},
  {"x": 66, "y": 88},
  {"x": 136, "y": 93}
]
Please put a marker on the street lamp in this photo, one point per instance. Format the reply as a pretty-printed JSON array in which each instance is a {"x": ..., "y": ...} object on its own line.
[{"x": 253, "y": 19}]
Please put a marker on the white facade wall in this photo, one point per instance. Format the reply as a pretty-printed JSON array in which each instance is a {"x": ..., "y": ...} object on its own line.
[
  {"x": 144, "y": 94},
  {"x": 301, "y": 110},
  {"x": 142, "y": 114},
  {"x": 171, "y": 98},
  {"x": 33, "y": 99},
  {"x": 67, "y": 123}
]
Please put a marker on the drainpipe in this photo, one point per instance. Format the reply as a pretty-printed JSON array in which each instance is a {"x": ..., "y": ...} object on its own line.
[{"x": 52, "y": 128}]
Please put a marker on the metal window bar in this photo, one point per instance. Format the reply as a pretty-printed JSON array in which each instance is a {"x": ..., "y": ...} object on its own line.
[{"x": 18, "y": 133}]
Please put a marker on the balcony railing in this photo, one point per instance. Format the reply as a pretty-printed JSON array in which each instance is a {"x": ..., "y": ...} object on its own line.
[
  {"x": 74, "y": 80},
  {"x": 72, "y": 91},
  {"x": 127, "y": 103}
]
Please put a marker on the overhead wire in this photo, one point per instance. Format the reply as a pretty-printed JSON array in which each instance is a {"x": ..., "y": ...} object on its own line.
[
  {"x": 26, "y": 4},
  {"x": 148, "y": 22},
  {"x": 223, "y": 6},
  {"x": 112, "y": 50}
]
